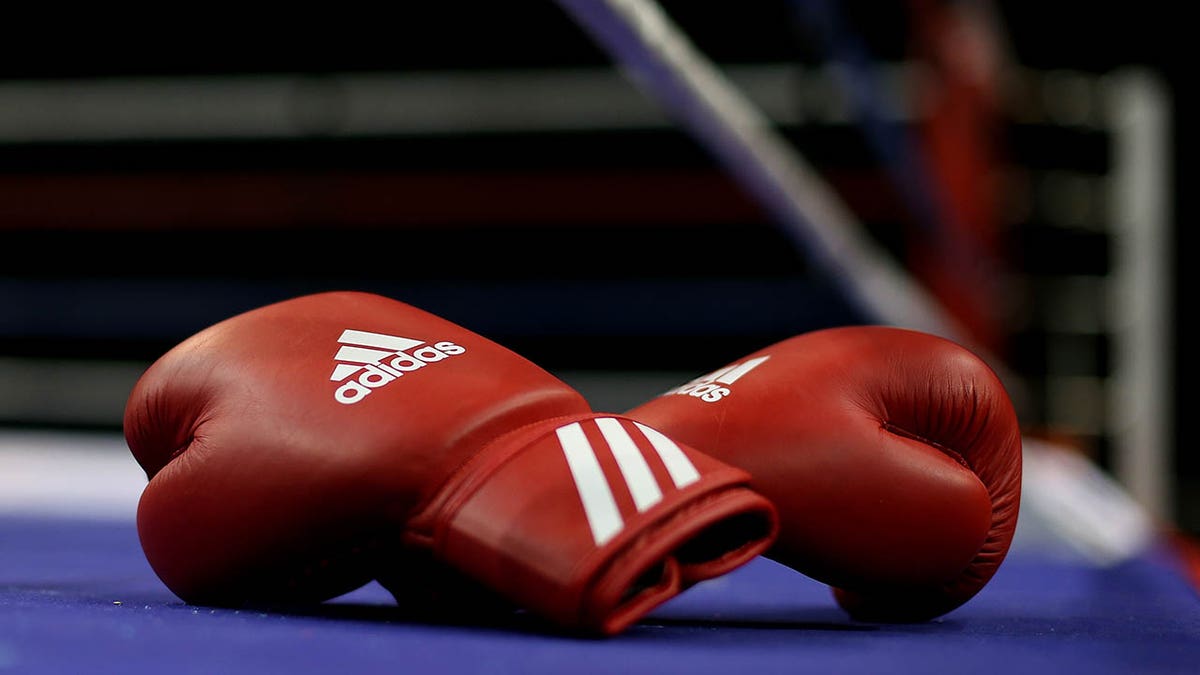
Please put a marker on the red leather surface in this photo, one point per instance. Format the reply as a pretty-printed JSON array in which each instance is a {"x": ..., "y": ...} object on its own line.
[
  {"x": 893, "y": 456},
  {"x": 273, "y": 480}
]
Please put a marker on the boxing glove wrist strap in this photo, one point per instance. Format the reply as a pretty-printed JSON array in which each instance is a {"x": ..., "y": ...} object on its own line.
[{"x": 594, "y": 520}]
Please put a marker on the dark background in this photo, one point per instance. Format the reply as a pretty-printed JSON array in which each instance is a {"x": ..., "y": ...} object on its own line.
[{"x": 603, "y": 250}]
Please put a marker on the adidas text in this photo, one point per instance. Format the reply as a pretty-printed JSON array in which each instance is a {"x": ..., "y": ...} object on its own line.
[
  {"x": 705, "y": 391},
  {"x": 389, "y": 366},
  {"x": 711, "y": 388}
]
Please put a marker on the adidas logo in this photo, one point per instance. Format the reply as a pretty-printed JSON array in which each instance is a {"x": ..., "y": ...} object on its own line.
[
  {"x": 631, "y": 455},
  {"x": 372, "y": 360},
  {"x": 709, "y": 388}
]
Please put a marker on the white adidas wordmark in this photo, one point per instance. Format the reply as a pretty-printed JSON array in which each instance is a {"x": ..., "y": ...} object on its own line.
[
  {"x": 709, "y": 387},
  {"x": 377, "y": 359},
  {"x": 599, "y": 503}
]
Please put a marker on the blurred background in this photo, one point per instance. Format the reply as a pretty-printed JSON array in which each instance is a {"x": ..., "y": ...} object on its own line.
[{"x": 1019, "y": 163}]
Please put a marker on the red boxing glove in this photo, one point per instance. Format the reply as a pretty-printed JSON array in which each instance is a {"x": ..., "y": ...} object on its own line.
[
  {"x": 893, "y": 458},
  {"x": 299, "y": 450}
]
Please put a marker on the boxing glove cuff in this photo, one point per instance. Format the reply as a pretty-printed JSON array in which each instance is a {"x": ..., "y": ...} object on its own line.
[{"x": 594, "y": 520}]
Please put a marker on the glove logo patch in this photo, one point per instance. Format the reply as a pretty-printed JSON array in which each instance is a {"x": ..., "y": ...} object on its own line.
[
  {"x": 595, "y": 491},
  {"x": 372, "y": 360},
  {"x": 710, "y": 389}
]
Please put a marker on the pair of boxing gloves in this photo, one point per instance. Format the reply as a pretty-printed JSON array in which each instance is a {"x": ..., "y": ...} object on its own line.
[{"x": 300, "y": 450}]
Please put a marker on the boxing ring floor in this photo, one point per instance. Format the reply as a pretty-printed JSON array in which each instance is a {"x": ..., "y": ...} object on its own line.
[{"x": 77, "y": 596}]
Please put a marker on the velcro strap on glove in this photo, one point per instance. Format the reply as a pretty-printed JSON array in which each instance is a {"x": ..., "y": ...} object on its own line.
[{"x": 594, "y": 521}]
